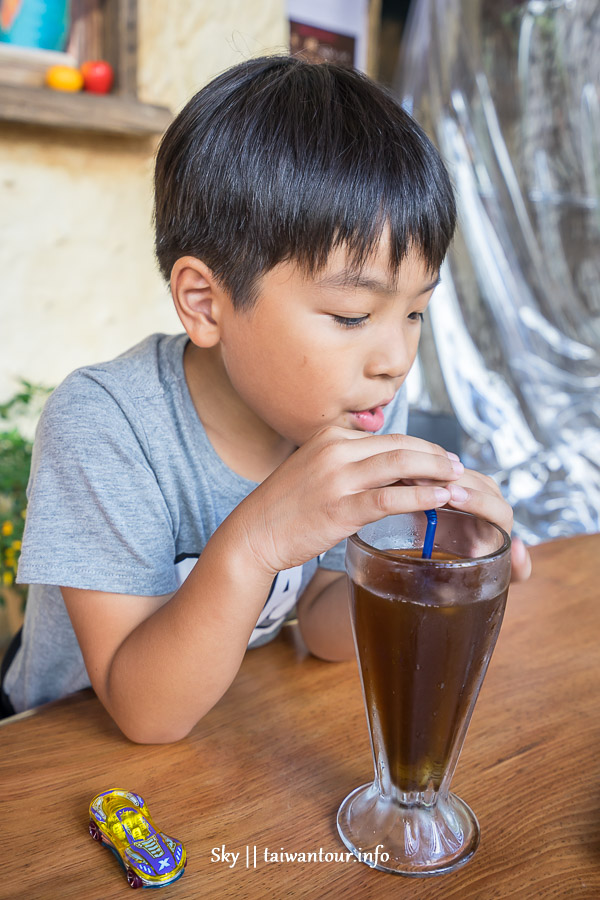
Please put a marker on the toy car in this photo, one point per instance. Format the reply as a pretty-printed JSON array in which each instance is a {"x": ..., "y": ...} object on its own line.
[{"x": 121, "y": 821}]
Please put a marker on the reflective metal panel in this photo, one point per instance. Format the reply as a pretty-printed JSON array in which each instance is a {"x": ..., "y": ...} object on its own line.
[{"x": 510, "y": 92}]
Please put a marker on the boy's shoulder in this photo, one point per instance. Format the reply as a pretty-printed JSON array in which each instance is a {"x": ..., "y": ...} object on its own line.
[
  {"x": 143, "y": 371},
  {"x": 101, "y": 395}
]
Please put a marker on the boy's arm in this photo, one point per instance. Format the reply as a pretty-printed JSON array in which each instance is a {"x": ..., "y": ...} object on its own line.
[
  {"x": 324, "y": 616},
  {"x": 158, "y": 664}
]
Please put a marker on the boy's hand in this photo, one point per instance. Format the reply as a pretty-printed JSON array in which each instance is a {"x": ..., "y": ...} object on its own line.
[
  {"x": 338, "y": 481},
  {"x": 341, "y": 480},
  {"x": 480, "y": 495}
]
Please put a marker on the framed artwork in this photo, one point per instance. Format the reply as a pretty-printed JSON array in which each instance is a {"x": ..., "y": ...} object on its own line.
[
  {"x": 318, "y": 44},
  {"x": 39, "y": 24},
  {"x": 330, "y": 30}
]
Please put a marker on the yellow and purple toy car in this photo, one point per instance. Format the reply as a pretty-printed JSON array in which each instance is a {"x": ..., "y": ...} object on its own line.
[{"x": 121, "y": 821}]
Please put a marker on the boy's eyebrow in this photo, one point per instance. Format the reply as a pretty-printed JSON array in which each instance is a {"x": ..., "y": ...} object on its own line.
[{"x": 348, "y": 279}]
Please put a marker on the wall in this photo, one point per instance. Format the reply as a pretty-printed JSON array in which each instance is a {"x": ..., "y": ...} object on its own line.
[{"x": 78, "y": 280}]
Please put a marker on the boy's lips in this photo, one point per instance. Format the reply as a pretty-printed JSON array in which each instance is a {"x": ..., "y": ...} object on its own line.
[{"x": 369, "y": 419}]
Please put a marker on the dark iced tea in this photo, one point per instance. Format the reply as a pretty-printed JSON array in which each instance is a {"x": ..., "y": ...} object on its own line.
[
  {"x": 425, "y": 630},
  {"x": 422, "y": 660}
]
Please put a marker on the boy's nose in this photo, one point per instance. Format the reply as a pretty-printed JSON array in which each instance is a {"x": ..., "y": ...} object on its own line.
[{"x": 390, "y": 357}]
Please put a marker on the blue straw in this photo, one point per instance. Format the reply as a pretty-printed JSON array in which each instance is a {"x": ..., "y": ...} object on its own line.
[{"x": 430, "y": 533}]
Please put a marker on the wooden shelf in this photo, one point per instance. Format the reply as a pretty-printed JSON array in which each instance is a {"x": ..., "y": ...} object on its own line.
[{"x": 110, "y": 113}]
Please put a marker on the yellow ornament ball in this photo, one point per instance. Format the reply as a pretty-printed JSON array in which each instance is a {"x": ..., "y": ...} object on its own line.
[{"x": 64, "y": 78}]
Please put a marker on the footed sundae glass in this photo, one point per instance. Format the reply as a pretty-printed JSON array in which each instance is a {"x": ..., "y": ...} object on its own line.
[{"x": 424, "y": 631}]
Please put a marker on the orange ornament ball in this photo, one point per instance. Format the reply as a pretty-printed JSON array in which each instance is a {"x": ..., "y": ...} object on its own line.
[{"x": 64, "y": 78}]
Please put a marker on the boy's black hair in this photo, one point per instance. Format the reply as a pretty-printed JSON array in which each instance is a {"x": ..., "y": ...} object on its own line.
[{"x": 280, "y": 159}]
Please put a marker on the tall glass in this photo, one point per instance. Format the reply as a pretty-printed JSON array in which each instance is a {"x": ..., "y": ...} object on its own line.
[{"x": 424, "y": 632}]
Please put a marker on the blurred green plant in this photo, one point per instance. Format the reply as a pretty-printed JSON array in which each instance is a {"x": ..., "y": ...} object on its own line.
[{"x": 15, "y": 463}]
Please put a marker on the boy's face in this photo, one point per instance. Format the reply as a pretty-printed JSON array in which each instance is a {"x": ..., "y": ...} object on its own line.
[{"x": 332, "y": 349}]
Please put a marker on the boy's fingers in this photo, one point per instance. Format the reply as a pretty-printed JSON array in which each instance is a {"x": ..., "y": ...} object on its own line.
[
  {"x": 520, "y": 561},
  {"x": 370, "y": 506},
  {"x": 479, "y": 482},
  {"x": 397, "y": 465},
  {"x": 469, "y": 480},
  {"x": 479, "y": 503},
  {"x": 362, "y": 445}
]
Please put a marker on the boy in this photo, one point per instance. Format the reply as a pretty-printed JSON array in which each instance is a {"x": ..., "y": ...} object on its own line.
[{"x": 184, "y": 495}]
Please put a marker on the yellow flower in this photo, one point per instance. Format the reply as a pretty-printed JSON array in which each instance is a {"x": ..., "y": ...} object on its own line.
[
  {"x": 7, "y": 528},
  {"x": 7, "y": 578},
  {"x": 16, "y": 545}
]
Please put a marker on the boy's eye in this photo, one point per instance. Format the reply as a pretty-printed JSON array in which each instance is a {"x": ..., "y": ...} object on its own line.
[
  {"x": 417, "y": 316},
  {"x": 348, "y": 322}
]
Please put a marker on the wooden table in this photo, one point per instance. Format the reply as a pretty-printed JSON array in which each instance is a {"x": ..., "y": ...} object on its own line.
[{"x": 268, "y": 767}]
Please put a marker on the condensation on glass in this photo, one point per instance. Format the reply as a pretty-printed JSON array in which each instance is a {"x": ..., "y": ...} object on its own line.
[{"x": 510, "y": 92}]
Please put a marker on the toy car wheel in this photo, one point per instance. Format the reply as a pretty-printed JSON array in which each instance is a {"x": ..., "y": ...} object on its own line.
[
  {"x": 134, "y": 881},
  {"x": 95, "y": 831}
]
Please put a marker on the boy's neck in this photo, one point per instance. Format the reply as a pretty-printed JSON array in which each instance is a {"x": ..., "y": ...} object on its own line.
[{"x": 244, "y": 442}]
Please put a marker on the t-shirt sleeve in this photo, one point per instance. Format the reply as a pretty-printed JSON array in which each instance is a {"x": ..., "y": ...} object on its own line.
[
  {"x": 96, "y": 517},
  {"x": 396, "y": 416}
]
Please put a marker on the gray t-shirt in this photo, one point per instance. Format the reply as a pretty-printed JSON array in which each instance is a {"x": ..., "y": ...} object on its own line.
[{"x": 125, "y": 491}]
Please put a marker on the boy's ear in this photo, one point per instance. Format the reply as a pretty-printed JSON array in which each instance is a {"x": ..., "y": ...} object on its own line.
[{"x": 198, "y": 300}]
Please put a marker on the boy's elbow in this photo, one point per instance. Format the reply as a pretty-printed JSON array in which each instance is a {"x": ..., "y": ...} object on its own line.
[
  {"x": 142, "y": 722},
  {"x": 152, "y": 720},
  {"x": 145, "y": 733},
  {"x": 151, "y": 728},
  {"x": 331, "y": 652}
]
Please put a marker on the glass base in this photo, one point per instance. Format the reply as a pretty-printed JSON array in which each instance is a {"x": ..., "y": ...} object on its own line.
[{"x": 407, "y": 838}]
